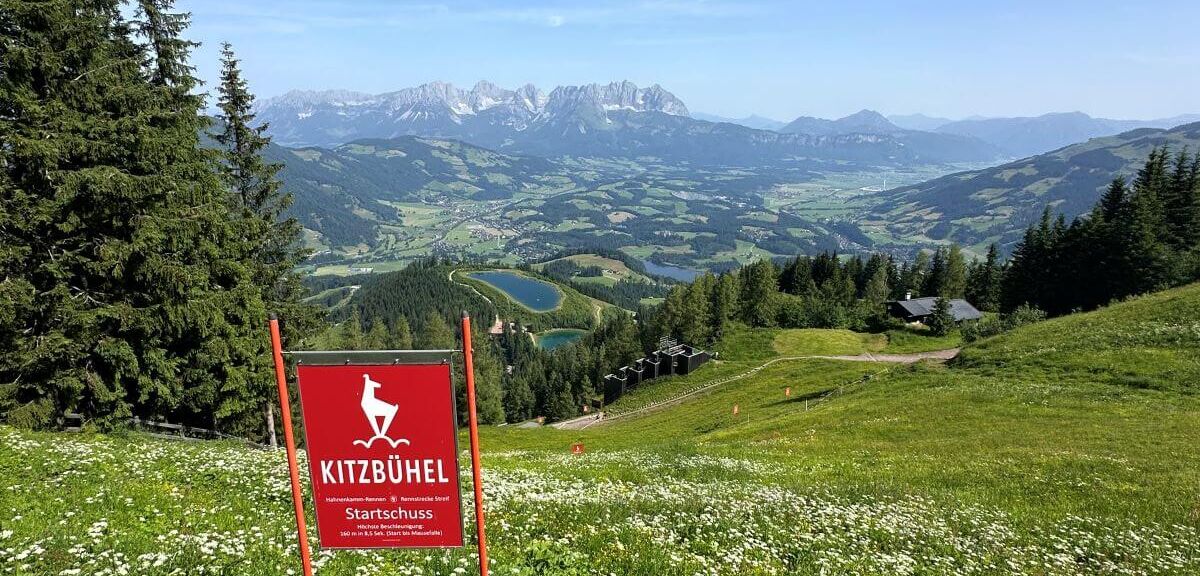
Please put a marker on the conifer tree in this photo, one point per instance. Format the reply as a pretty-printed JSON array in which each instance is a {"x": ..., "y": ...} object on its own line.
[
  {"x": 401, "y": 335},
  {"x": 518, "y": 399},
  {"x": 955, "y": 283},
  {"x": 1181, "y": 202},
  {"x": 489, "y": 397},
  {"x": 696, "y": 321},
  {"x": 912, "y": 278},
  {"x": 352, "y": 334},
  {"x": 1142, "y": 235},
  {"x": 436, "y": 334},
  {"x": 669, "y": 316},
  {"x": 984, "y": 282},
  {"x": 941, "y": 321},
  {"x": 1112, "y": 204},
  {"x": 877, "y": 290},
  {"x": 141, "y": 307},
  {"x": 270, "y": 244},
  {"x": 377, "y": 336},
  {"x": 758, "y": 283},
  {"x": 724, "y": 301},
  {"x": 935, "y": 282}
]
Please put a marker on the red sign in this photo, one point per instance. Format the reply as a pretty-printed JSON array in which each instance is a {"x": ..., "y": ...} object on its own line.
[
  {"x": 577, "y": 448},
  {"x": 382, "y": 451}
]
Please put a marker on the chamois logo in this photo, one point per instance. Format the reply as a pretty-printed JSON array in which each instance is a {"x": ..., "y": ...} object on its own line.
[{"x": 379, "y": 414}]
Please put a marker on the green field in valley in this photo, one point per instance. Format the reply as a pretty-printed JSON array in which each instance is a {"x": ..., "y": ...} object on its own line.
[{"x": 1064, "y": 447}]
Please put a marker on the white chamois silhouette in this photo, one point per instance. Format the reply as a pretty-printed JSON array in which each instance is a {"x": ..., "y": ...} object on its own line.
[{"x": 375, "y": 408}]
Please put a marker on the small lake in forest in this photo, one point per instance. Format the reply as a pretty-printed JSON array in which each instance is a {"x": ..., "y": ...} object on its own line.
[
  {"x": 536, "y": 295},
  {"x": 551, "y": 339},
  {"x": 684, "y": 274}
]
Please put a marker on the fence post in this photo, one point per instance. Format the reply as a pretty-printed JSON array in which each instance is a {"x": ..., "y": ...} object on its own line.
[
  {"x": 476, "y": 471},
  {"x": 293, "y": 467}
]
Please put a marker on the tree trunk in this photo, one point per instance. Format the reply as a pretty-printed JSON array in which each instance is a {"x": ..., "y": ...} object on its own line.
[{"x": 271, "y": 425}]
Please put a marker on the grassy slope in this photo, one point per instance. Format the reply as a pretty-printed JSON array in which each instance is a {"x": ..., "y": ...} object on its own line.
[
  {"x": 1066, "y": 447},
  {"x": 1093, "y": 414}
]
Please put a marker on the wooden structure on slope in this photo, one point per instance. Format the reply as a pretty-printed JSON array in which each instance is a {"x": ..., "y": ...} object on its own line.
[{"x": 671, "y": 358}]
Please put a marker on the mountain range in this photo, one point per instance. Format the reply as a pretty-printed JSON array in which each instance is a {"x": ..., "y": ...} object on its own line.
[
  {"x": 613, "y": 120},
  {"x": 752, "y": 121},
  {"x": 995, "y": 204},
  {"x": 861, "y": 122},
  {"x": 439, "y": 109},
  {"x": 1021, "y": 137},
  {"x": 918, "y": 121}
]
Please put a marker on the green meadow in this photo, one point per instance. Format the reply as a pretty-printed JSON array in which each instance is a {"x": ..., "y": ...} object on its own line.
[{"x": 1064, "y": 447}]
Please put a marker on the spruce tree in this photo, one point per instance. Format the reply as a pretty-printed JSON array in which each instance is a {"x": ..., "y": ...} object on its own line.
[
  {"x": 400, "y": 337},
  {"x": 941, "y": 321},
  {"x": 955, "y": 282},
  {"x": 984, "y": 282},
  {"x": 489, "y": 397},
  {"x": 377, "y": 337},
  {"x": 269, "y": 244},
  {"x": 724, "y": 301},
  {"x": 1112, "y": 204},
  {"x": 352, "y": 334},
  {"x": 758, "y": 285},
  {"x": 912, "y": 278},
  {"x": 1181, "y": 203},
  {"x": 141, "y": 306},
  {"x": 518, "y": 399},
  {"x": 696, "y": 321},
  {"x": 1142, "y": 235},
  {"x": 436, "y": 334},
  {"x": 877, "y": 290},
  {"x": 935, "y": 281}
]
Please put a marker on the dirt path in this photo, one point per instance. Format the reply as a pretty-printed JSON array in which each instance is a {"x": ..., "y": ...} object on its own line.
[{"x": 586, "y": 421}]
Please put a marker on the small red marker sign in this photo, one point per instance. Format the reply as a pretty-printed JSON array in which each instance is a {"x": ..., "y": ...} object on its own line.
[
  {"x": 382, "y": 452},
  {"x": 577, "y": 448}
]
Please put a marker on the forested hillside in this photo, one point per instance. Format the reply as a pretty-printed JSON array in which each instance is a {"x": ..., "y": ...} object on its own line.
[
  {"x": 345, "y": 192},
  {"x": 993, "y": 205}
]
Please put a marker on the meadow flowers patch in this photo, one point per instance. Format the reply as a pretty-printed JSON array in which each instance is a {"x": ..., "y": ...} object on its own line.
[{"x": 78, "y": 504}]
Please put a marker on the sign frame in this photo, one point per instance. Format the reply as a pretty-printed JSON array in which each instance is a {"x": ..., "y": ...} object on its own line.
[
  {"x": 347, "y": 357},
  {"x": 386, "y": 358}
]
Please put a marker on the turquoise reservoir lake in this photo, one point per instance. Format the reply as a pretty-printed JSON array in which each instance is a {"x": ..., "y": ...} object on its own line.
[
  {"x": 552, "y": 339},
  {"x": 536, "y": 295}
]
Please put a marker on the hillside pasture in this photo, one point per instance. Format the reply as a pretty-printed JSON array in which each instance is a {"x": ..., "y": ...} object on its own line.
[{"x": 1060, "y": 448}]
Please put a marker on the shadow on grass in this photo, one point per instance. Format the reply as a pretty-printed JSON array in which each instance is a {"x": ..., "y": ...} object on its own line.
[{"x": 804, "y": 397}]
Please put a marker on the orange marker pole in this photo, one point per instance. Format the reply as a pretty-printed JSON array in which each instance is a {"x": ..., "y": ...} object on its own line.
[
  {"x": 290, "y": 442},
  {"x": 476, "y": 468}
]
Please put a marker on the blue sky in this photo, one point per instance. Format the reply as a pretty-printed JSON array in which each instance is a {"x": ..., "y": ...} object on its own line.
[{"x": 734, "y": 58}]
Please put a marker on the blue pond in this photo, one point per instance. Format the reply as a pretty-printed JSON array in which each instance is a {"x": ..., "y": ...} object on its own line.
[
  {"x": 552, "y": 339},
  {"x": 684, "y": 274},
  {"x": 533, "y": 294}
]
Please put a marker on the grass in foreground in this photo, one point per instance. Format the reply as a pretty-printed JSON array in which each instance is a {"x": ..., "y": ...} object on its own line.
[{"x": 1068, "y": 447}]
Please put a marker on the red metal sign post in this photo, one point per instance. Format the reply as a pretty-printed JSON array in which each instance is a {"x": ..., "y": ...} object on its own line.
[
  {"x": 382, "y": 446},
  {"x": 475, "y": 464},
  {"x": 293, "y": 469}
]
